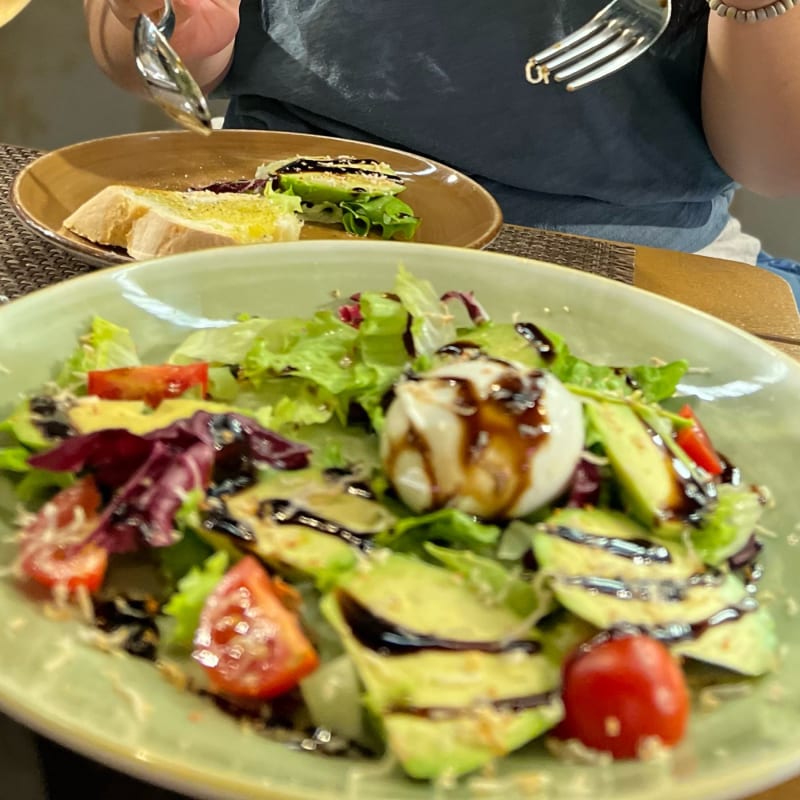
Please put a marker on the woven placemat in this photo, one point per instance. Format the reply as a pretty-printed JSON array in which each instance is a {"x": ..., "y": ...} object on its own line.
[
  {"x": 609, "y": 259},
  {"x": 28, "y": 262}
]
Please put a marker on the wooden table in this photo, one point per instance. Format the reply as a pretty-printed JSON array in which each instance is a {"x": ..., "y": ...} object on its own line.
[{"x": 749, "y": 297}]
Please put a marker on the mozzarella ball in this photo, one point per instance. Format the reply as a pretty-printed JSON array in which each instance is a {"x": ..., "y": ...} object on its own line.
[{"x": 494, "y": 439}]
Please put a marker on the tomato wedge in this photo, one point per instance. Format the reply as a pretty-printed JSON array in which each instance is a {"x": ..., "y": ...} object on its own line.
[
  {"x": 151, "y": 383},
  {"x": 621, "y": 692},
  {"x": 248, "y": 642},
  {"x": 47, "y": 553},
  {"x": 696, "y": 443}
]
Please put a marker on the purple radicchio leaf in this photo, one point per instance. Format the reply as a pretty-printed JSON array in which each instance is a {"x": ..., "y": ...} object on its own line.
[
  {"x": 350, "y": 312},
  {"x": 584, "y": 489},
  {"x": 242, "y": 186},
  {"x": 148, "y": 476},
  {"x": 476, "y": 311},
  {"x": 143, "y": 509}
]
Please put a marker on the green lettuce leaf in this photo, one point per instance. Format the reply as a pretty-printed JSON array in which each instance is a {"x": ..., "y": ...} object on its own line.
[
  {"x": 655, "y": 383},
  {"x": 393, "y": 216},
  {"x": 726, "y": 529},
  {"x": 489, "y": 578},
  {"x": 37, "y": 485},
  {"x": 432, "y": 324},
  {"x": 105, "y": 346},
  {"x": 228, "y": 345},
  {"x": 19, "y": 428},
  {"x": 178, "y": 559},
  {"x": 447, "y": 525},
  {"x": 194, "y": 588}
]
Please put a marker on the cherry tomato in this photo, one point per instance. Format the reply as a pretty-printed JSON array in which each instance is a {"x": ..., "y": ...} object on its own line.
[
  {"x": 696, "y": 443},
  {"x": 249, "y": 643},
  {"x": 151, "y": 383},
  {"x": 620, "y": 692},
  {"x": 47, "y": 553}
]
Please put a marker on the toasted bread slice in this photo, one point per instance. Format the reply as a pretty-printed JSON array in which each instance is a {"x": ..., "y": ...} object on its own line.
[{"x": 154, "y": 222}]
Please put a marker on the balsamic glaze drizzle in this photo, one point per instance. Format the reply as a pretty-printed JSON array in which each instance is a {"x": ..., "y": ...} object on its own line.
[
  {"x": 637, "y": 550},
  {"x": 676, "y": 632},
  {"x": 512, "y": 704},
  {"x": 537, "y": 338},
  {"x": 648, "y": 591},
  {"x": 137, "y": 616},
  {"x": 286, "y": 512},
  {"x": 338, "y": 166},
  {"x": 387, "y": 638}
]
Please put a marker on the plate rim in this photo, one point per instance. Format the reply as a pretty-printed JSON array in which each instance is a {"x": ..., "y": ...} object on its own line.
[
  {"x": 188, "y": 779},
  {"x": 92, "y": 252}
]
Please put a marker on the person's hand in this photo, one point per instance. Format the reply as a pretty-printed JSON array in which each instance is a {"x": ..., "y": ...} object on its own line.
[{"x": 202, "y": 27}]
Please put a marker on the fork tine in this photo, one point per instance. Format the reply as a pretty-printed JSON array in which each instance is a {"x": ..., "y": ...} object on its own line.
[
  {"x": 610, "y": 66},
  {"x": 567, "y": 55},
  {"x": 577, "y": 36},
  {"x": 624, "y": 41}
]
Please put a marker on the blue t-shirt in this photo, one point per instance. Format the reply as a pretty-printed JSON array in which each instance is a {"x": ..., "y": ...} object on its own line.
[{"x": 624, "y": 158}]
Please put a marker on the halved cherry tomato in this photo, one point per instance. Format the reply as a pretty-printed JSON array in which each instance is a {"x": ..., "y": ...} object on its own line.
[
  {"x": 249, "y": 643},
  {"x": 697, "y": 445},
  {"x": 47, "y": 553},
  {"x": 620, "y": 692},
  {"x": 151, "y": 383}
]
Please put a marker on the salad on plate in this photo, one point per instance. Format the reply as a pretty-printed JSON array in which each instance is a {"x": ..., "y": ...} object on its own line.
[{"x": 396, "y": 525}]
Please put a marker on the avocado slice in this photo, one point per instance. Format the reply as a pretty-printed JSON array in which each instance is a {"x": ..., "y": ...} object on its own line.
[
  {"x": 25, "y": 426},
  {"x": 610, "y": 571},
  {"x": 330, "y": 523},
  {"x": 725, "y": 530},
  {"x": 322, "y": 179},
  {"x": 444, "y": 711},
  {"x": 89, "y": 414},
  {"x": 644, "y": 468}
]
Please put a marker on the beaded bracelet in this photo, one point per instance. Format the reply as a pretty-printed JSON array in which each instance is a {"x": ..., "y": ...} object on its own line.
[{"x": 774, "y": 9}]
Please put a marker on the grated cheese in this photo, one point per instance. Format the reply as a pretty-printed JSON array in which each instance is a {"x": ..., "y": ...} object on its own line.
[
  {"x": 710, "y": 697},
  {"x": 593, "y": 458},
  {"x": 141, "y": 709},
  {"x": 57, "y": 613},
  {"x": 792, "y": 607},
  {"x": 574, "y": 751},
  {"x": 85, "y": 605},
  {"x": 65, "y": 652},
  {"x": 528, "y": 784},
  {"x": 105, "y": 642},
  {"x": 776, "y": 692},
  {"x": 173, "y": 674},
  {"x": 651, "y": 748}
]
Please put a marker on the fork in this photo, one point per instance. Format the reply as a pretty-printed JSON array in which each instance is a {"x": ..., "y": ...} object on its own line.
[
  {"x": 609, "y": 41},
  {"x": 169, "y": 84}
]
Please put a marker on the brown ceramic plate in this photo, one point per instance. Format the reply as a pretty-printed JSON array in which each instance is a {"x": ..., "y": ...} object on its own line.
[{"x": 454, "y": 209}]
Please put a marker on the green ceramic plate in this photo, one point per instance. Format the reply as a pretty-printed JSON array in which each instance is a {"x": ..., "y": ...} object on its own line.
[{"x": 82, "y": 697}]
